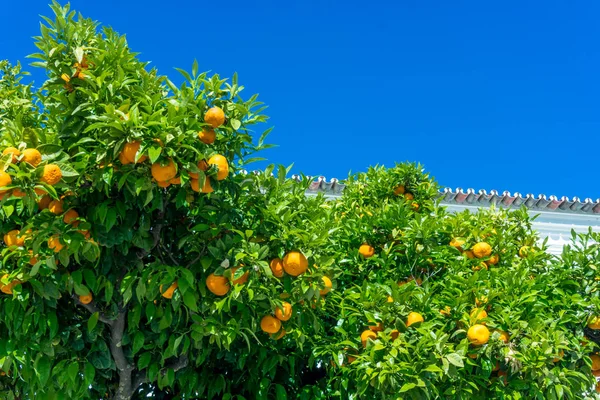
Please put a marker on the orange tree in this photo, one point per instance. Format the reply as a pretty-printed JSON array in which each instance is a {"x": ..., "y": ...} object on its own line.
[{"x": 137, "y": 261}]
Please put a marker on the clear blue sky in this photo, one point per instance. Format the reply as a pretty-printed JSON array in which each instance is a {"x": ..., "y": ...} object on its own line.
[{"x": 492, "y": 95}]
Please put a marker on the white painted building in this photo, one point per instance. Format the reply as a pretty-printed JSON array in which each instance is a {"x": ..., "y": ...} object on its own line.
[{"x": 555, "y": 217}]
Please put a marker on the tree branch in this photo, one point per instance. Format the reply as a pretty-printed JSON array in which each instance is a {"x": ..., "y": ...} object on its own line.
[
  {"x": 92, "y": 308},
  {"x": 123, "y": 367},
  {"x": 156, "y": 229},
  {"x": 176, "y": 364}
]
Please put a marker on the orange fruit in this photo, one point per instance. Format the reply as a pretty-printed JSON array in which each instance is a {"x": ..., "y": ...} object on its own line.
[
  {"x": 481, "y": 300},
  {"x": 242, "y": 279},
  {"x": 279, "y": 335},
  {"x": 222, "y": 165},
  {"x": 295, "y": 263},
  {"x": 130, "y": 150},
  {"x": 163, "y": 184},
  {"x": 493, "y": 260},
  {"x": 175, "y": 181},
  {"x": 504, "y": 336},
  {"x": 457, "y": 243},
  {"x": 70, "y": 217},
  {"x": 469, "y": 254},
  {"x": 52, "y": 174},
  {"x": 33, "y": 259},
  {"x": 18, "y": 193},
  {"x": 123, "y": 159},
  {"x": 376, "y": 328},
  {"x": 5, "y": 180},
  {"x": 215, "y": 117},
  {"x": 482, "y": 249},
  {"x": 595, "y": 373},
  {"x": 480, "y": 266},
  {"x": 277, "y": 267},
  {"x": 203, "y": 165},
  {"x": 207, "y": 188},
  {"x": 399, "y": 190},
  {"x": 503, "y": 376},
  {"x": 12, "y": 238},
  {"x": 15, "y": 153},
  {"x": 366, "y": 335},
  {"x": 446, "y": 311},
  {"x": 390, "y": 299},
  {"x": 56, "y": 207},
  {"x": 86, "y": 299},
  {"x": 40, "y": 191},
  {"x": 409, "y": 196},
  {"x": 524, "y": 251},
  {"x": 414, "y": 318},
  {"x": 167, "y": 294},
  {"x": 327, "y": 283},
  {"x": 286, "y": 313},
  {"x": 594, "y": 323},
  {"x": 32, "y": 156},
  {"x": 394, "y": 334},
  {"x": 478, "y": 335},
  {"x": 366, "y": 251},
  {"x": 85, "y": 234},
  {"x": 55, "y": 244},
  {"x": 351, "y": 359},
  {"x": 207, "y": 136},
  {"x": 7, "y": 289},
  {"x": 595, "y": 362},
  {"x": 270, "y": 324},
  {"x": 164, "y": 173},
  {"x": 478, "y": 314},
  {"x": 561, "y": 354},
  {"x": 218, "y": 285}
]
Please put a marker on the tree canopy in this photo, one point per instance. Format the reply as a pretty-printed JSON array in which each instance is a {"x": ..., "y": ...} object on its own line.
[{"x": 139, "y": 259}]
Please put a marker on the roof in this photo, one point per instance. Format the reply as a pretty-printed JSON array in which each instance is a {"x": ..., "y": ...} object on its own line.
[{"x": 481, "y": 198}]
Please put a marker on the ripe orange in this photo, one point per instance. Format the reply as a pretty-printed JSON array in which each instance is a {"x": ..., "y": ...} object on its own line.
[
  {"x": 167, "y": 294},
  {"x": 366, "y": 335},
  {"x": 493, "y": 260},
  {"x": 414, "y": 318},
  {"x": 207, "y": 136},
  {"x": 175, "y": 181},
  {"x": 218, "y": 285},
  {"x": 130, "y": 150},
  {"x": 561, "y": 354},
  {"x": 52, "y": 174},
  {"x": 12, "y": 238},
  {"x": 164, "y": 173},
  {"x": 270, "y": 324},
  {"x": 295, "y": 263},
  {"x": 524, "y": 251},
  {"x": 478, "y": 335},
  {"x": 15, "y": 153},
  {"x": 70, "y": 217},
  {"x": 123, "y": 159},
  {"x": 399, "y": 190},
  {"x": 5, "y": 180},
  {"x": 504, "y": 336},
  {"x": 277, "y": 267},
  {"x": 18, "y": 193},
  {"x": 32, "y": 156},
  {"x": 480, "y": 266},
  {"x": 394, "y": 334},
  {"x": 7, "y": 289},
  {"x": 594, "y": 323},
  {"x": 279, "y": 335},
  {"x": 56, "y": 207},
  {"x": 446, "y": 311},
  {"x": 242, "y": 279},
  {"x": 409, "y": 196},
  {"x": 366, "y": 250},
  {"x": 55, "y": 244},
  {"x": 207, "y": 188},
  {"x": 595, "y": 362},
  {"x": 482, "y": 249},
  {"x": 327, "y": 283},
  {"x": 286, "y": 313},
  {"x": 215, "y": 117},
  {"x": 86, "y": 299},
  {"x": 457, "y": 243},
  {"x": 222, "y": 165},
  {"x": 163, "y": 184},
  {"x": 376, "y": 328},
  {"x": 477, "y": 314},
  {"x": 44, "y": 202},
  {"x": 390, "y": 299}
]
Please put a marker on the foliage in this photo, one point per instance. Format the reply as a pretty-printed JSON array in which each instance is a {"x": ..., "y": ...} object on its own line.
[{"x": 131, "y": 239}]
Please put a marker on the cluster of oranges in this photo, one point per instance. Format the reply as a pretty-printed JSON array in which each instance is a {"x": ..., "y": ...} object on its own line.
[
  {"x": 165, "y": 173},
  {"x": 400, "y": 190},
  {"x": 481, "y": 251},
  {"x": 51, "y": 173}
]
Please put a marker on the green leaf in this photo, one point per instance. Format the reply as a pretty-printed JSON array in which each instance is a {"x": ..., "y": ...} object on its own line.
[
  {"x": 455, "y": 359},
  {"x": 189, "y": 299},
  {"x": 89, "y": 373},
  {"x": 42, "y": 368},
  {"x": 138, "y": 342},
  {"x": 406, "y": 387},
  {"x": 144, "y": 360},
  {"x": 235, "y": 124},
  {"x": 154, "y": 153},
  {"x": 280, "y": 393},
  {"x": 73, "y": 370},
  {"x": 93, "y": 321}
]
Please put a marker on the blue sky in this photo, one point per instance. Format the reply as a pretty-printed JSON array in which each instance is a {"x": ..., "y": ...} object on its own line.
[{"x": 491, "y": 95}]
